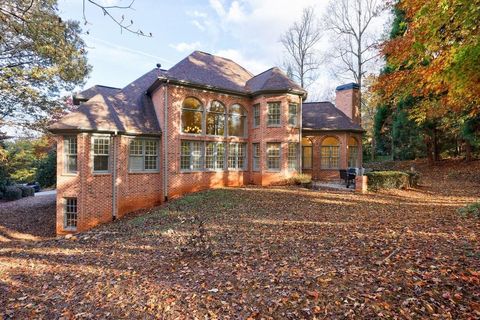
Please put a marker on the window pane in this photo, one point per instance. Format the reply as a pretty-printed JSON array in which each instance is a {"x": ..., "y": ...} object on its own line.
[
  {"x": 273, "y": 156},
  {"x": 136, "y": 163},
  {"x": 236, "y": 126},
  {"x": 232, "y": 155},
  {"x": 242, "y": 156},
  {"x": 71, "y": 164},
  {"x": 215, "y": 124},
  {"x": 256, "y": 115},
  {"x": 256, "y": 156},
  {"x": 100, "y": 163},
  {"x": 151, "y": 147},
  {"x": 210, "y": 155},
  {"x": 220, "y": 155},
  {"x": 185, "y": 155},
  {"x": 197, "y": 162},
  {"x": 70, "y": 212},
  {"x": 292, "y": 114},
  {"x": 192, "y": 121},
  {"x": 307, "y": 157},
  {"x": 136, "y": 147},
  {"x": 151, "y": 162},
  {"x": 274, "y": 113},
  {"x": 101, "y": 146},
  {"x": 192, "y": 103},
  {"x": 352, "y": 156},
  {"x": 292, "y": 155}
]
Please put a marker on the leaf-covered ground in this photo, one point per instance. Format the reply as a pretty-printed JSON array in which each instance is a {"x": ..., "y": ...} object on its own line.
[{"x": 282, "y": 252}]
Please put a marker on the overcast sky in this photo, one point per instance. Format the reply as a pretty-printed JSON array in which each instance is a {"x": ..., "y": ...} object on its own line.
[{"x": 246, "y": 31}]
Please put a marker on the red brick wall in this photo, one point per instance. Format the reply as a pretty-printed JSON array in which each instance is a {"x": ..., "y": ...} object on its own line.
[
  {"x": 94, "y": 192},
  {"x": 348, "y": 102}
]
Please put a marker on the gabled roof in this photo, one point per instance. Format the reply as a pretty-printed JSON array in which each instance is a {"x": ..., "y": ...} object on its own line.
[
  {"x": 271, "y": 80},
  {"x": 325, "y": 116},
  {"x": 89, "y": 93},
  {"x": 130, "y": 110}
]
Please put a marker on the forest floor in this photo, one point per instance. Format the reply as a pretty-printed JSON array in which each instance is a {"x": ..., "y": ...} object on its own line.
[{"x": 279, "y": 252}]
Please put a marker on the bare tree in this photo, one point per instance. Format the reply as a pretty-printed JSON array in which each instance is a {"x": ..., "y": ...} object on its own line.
[
  {"x": 122, "y": 22},
  {"x": 355, "y": 45},
  {"x": 299, "y": 42}
]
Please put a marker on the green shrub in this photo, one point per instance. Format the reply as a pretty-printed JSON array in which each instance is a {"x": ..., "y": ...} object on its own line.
[
  {"x": 27, "y": 191},
  {"x": 300, "y": 179},
  {"x": 471, "y": 210},
  {"x": 47, "y": 170},
  {"x": 387, "y": 180},
  {"x": 13, "y": 193}
]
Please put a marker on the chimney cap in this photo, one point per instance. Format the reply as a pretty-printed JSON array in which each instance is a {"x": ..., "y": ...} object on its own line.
[{"x": 348, "y": 86}]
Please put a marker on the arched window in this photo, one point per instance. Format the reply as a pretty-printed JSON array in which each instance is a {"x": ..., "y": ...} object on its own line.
[
  {"x": 307, "y": 153},
  {"x": 237, "y": 121},
  {"x": 330, "y": 153},
  {"x": 352, "y": 152},
  {"x": 192, "y": 116},
  {"x": 216, "y": 119}
]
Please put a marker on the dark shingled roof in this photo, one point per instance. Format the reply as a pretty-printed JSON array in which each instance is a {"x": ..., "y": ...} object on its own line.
[
  {"x": 206, "y": 69},
  {"x": 89, "y": 93},
  {"x": 271, "y": 80},
  {"x": 325, "y": 116},
  {"x": 130, "y": 110}
]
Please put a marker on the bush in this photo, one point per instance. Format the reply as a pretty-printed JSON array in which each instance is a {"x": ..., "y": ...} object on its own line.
[
  {"x": 13, "y": 193},
  {"x": 27, "y": 191},
  {"x": 471, "y": 210},
  {"x": 300, "y": 179},
  {"x": 387, "y": 180},
  {"x": 47, "y": 170}
]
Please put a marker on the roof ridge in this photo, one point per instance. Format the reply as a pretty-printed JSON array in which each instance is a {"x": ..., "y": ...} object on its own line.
[
  {"x": 264, "y": 72},
  {"x": 104, "y": 86}
]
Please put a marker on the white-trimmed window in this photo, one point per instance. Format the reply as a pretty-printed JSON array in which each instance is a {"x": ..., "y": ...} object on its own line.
[
  {"x": 191, "y": 158},
  {"x": 256, "y": 156},
  {"x": 70, "y": 213},
  {"x": 216, "y": 119},
  {"x": 70, "y": 151},
  {"x": 215, "y": 155},
  {"x": 192, "y": 116},
  {"x": 292, "y": 156},
  {"x": 293, "y": 114},
  {"x": 101, "y": 154},
  {"x": 273, "y": 114},
  {"x": 330, "y": 153},
  {"x": 143, "y": 155},
  {"x": 273, "y": 156},
  {"x": 237, "y": 154},
  {"x": 256, "y": 116}
]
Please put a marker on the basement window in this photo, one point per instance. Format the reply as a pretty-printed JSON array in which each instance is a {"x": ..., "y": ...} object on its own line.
[{"x": 71, "y": 213}]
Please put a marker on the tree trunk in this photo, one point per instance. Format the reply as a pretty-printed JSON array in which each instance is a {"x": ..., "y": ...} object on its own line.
[
  {"x": 428, "y": 143},
  {"x": 374, "y": 147},
  {"x": 468, "y": 151},
  {"x": 436, "y": 146}
]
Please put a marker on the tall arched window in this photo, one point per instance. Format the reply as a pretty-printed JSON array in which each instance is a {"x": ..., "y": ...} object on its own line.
[
  {"x": 216, "y": 119},
  {"x": 192, "y": 116},
  {"x": 352, "y": 152},
  {"x": 237, "y": 121},
  {"x": 307, "y": 153},
  {"x": 330, "y": 153}
]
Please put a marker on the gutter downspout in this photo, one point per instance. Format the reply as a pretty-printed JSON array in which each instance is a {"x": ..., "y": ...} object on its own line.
[
  {"x": 165, "y": 142},
  {"x": 300, "y": 149},
  {"x": 114, "y": 177}
]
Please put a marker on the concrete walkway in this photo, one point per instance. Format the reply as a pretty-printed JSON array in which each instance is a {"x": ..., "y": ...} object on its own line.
[{"x": 337, "y": 185}]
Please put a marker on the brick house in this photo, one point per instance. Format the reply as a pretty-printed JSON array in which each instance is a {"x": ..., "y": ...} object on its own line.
[{"x": 205, "y": 123}]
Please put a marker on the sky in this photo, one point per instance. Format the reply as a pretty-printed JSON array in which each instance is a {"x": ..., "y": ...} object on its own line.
[{"x": 246, "y": 31}]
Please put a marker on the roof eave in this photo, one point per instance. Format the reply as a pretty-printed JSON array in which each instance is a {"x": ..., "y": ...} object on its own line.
[
  {"x": 102, "y": 131},
  {"x": 331, "y": 130}
]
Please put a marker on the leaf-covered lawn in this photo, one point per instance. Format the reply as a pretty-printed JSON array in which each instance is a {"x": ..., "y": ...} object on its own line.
[{"x": 280, "y": 252}]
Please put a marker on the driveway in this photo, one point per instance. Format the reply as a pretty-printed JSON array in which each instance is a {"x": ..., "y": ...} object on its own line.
[{"x": 31, "y": 218}]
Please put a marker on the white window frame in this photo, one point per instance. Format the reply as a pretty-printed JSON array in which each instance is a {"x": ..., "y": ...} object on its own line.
[
  {"x": 215, "y": 156},
  {"x": 191, "y": 156},
  {"x": 269, "y": 144},
  {"x": 256, "y": 115},
  {"x": 293, "y": 116},
  {"x": 143, "y": 155},
  {"x": 94, "y": 137},
  {"x": 270, "y": 115},
  {"x": 66, "y": 213},
  {"x": 293, "y": 157},
  {"x": 237, "y": 146},
  {"x": 256, "y": 156},
  {"x": 67, "y": 154}
]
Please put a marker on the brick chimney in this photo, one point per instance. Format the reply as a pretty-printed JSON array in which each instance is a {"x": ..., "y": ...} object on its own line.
[{"x": 347, "y": 99}]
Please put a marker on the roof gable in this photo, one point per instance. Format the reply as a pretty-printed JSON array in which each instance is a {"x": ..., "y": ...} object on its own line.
[{"x": 272, "y": 79}]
